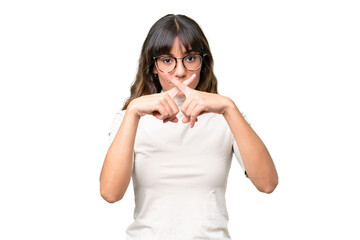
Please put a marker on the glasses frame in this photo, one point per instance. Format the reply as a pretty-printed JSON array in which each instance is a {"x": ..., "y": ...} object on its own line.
[{"x": 182, "y": 60}]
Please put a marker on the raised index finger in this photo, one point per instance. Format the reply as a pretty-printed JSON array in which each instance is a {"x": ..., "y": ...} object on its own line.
[
  {"x": 172, "y": 92},
  {"x": 180, "y": 85}
]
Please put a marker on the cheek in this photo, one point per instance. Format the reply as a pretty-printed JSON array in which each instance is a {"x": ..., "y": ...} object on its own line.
[
  {"x": 194, "y": 84},
  {"x": 164, "y": 83},
  {"x": 197, "y": 80}
]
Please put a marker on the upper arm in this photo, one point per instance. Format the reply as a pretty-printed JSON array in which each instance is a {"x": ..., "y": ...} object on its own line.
[
  {"x": 236, "y": 151},
  {"x": 115, "y": 127}
]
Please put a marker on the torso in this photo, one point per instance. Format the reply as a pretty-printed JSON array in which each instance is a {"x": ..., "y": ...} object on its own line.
[{"x": 180, "y": 177}]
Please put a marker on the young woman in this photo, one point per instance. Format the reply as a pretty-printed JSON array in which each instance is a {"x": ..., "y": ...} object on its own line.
[{"x": 180, "y": 168}]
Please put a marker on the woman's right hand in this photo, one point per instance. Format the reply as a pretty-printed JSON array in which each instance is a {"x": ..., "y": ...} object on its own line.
[{"x": 160, "y": 105}]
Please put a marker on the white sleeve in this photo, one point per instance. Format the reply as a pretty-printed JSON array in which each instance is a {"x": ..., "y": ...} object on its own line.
[
  {"x": 245, "y": 118},
  {"x": 115, "y": 127},
  {"x": 235, "y": 148}
]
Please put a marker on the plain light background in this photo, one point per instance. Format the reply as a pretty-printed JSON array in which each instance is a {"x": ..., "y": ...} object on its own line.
[{"x": 291, "y": 66}]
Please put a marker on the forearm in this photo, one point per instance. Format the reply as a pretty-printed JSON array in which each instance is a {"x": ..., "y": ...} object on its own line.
[
  {"x": 117, "y": 168},
  {"x": 259, "y": 166}
]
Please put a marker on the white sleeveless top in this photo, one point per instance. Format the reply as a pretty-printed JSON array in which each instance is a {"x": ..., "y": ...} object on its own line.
[{"x": 180, "y": 177}]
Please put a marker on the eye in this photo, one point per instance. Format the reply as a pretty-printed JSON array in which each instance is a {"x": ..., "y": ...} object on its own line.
[
  {"x": 190, "y": 58},
  {"x": 166, "y": 60}
]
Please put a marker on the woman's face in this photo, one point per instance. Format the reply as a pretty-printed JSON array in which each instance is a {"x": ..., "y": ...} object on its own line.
[{"x": 180, "y": 72}]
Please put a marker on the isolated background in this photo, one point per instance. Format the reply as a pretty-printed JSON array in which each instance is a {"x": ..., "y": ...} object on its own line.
[{"x": 290, "y": 66}]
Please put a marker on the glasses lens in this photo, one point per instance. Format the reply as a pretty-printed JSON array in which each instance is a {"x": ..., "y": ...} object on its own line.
[
  {"x": 166, "y": 64},
  {"x": 192, "y": 62}
]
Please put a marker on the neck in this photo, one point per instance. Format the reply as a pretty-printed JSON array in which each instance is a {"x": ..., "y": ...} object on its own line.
[{"x": 179, "y": 100}]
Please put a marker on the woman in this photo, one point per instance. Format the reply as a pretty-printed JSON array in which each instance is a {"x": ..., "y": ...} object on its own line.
[{"x": 180, "y": 169}]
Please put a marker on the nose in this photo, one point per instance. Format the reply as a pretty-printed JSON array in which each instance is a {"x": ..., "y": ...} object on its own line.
[{"x": 180, "y": 70}]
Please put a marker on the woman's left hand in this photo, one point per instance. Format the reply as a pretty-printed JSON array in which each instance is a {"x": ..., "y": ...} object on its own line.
[{"x": 199, "y": 102}]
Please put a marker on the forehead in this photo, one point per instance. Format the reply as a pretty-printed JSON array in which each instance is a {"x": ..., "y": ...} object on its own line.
[
  {"x": 171, "y": 45},
  {"x": 178, "y": 47}
]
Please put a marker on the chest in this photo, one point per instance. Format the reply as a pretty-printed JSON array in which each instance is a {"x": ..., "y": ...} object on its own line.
[{"x": 175, "y": 155}]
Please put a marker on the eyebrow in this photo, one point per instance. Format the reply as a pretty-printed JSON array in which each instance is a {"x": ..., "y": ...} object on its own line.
[{"x": 190, "y": 51}]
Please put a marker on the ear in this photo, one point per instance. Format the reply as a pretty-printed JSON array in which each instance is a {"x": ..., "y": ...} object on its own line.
[{"x": 155, "y": 71}]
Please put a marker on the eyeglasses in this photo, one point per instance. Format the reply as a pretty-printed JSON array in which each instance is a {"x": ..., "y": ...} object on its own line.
[{"x": 191, "y": 62}]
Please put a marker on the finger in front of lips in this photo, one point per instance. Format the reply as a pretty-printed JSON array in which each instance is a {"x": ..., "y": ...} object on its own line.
[
  {"x": 190, "y": 79},
  {"x": 180, "y": 85},
  {"x": 187, "y": 82},
  {"x": 175, "y": 90}
]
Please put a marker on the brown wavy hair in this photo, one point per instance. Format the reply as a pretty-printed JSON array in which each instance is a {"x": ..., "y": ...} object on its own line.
[{"x": 159, "y": 41}]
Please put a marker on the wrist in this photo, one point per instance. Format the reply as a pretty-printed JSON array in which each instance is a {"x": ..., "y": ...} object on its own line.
[
  {"x": 132, "y": 109},
  {"x": 229, "y": 106}
]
